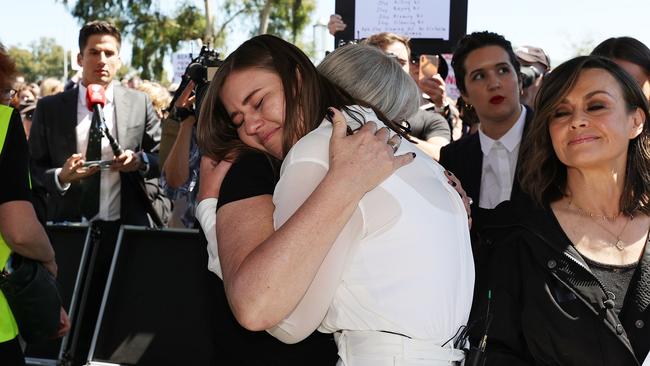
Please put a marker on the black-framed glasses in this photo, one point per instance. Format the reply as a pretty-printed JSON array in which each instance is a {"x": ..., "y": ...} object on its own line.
[{"x": 9, "y": 93}]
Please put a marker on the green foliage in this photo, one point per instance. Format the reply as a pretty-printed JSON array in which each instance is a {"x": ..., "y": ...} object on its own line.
[
  {"x": 289, "y": 17},
  {"x": 42, "y": 59},
  {"x": 152, "y": 33},
  {"x": 155, "y": 35}
]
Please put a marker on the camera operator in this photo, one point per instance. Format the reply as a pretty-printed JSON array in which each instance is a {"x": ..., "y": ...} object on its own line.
[
  {"x": 535, "y": 63},
  {"x": 180, "y": 173}
]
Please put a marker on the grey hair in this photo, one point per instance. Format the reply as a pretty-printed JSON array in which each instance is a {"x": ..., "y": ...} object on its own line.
[{"x": 369, "y": 75}]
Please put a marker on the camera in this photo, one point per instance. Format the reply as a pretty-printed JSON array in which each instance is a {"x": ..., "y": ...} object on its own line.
[
  {"x": 200, "y": 70},
  {"x": 528, "y": 75}
]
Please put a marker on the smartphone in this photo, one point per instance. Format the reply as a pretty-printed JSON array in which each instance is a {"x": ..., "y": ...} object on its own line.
[
  {"x": 428, "y": 66},
  {"x": 103, "y": 164}
]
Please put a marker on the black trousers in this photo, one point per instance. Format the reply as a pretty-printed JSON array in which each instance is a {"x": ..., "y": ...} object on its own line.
[
  {"x": 103, "y": 240},
  {"x": 11, "y": 354}
]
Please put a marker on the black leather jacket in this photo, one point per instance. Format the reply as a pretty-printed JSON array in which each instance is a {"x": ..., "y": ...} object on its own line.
[{"x": 546, "y": 305}]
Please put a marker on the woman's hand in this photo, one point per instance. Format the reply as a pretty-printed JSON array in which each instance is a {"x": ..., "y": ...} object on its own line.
[
  {"x": 366, "y": 158},
  {"x": 211, "y": 174},
  {"x": 467, "y": 200}
]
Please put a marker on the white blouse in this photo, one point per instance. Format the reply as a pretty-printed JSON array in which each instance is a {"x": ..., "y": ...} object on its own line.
[{"x": 403, "y": 263}]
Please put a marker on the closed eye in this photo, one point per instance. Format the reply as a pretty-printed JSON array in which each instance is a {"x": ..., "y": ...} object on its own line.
[
  {"x": 559, "y": 113},
  {"x": 595, "y": 107},
  {"x": 259, "y": 104}
]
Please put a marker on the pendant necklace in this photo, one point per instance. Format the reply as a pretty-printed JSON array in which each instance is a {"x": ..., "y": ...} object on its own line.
[{"x": 619, "y": 243}]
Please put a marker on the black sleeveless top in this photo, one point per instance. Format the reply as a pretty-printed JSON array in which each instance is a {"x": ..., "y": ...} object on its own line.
[
  {"x": 616, "y": 279},
  {"x": 255, "y": 174}
]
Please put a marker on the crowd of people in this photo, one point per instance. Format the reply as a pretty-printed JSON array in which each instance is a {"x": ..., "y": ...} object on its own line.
[{"x": 353, "y": 209}]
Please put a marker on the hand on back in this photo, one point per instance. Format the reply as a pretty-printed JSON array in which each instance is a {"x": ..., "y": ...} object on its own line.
[{"x": 366, "y": 158}]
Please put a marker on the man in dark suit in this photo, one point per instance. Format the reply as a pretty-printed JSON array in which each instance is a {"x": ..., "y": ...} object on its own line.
[
  {"x": 59, "y": 140},
  {"x": 488, "y": 78},
  {"x": 65, "y": 135},
  {"x": 487, "y": 75}
]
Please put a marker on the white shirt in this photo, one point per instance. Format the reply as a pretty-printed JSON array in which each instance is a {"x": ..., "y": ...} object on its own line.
[
  {"x": 499, "y": 163},
  {"x": 109, "y": 189},
  {"x": 403, "y": 262}
]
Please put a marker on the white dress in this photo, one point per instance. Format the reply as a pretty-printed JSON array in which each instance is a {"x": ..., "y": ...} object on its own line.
[{"x": 403, "y": 263}]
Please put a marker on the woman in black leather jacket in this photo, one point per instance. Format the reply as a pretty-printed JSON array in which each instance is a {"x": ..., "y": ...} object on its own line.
[{"x": 568, "y": 281}]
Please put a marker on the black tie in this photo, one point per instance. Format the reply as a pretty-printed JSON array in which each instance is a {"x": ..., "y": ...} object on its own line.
[{"x": 90, "y": 197}]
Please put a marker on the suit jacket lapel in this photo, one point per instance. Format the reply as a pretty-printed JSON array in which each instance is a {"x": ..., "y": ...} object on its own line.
[
  {"x": 516, "y": 188},
  {"x": 475, "y": 167},
  {"x": 68, "y": 127},
  {"x": 122, "y": 110}
]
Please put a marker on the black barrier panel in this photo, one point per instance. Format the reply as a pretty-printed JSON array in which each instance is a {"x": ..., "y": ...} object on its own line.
[
  {"x": 158, "y": 308},
  {"x": 70, "y": 243}
]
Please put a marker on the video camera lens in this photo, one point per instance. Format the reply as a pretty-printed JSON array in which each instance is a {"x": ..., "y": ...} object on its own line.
[
  {"x": 200, "y": 70},
  {"x": 528, "y": 75}
]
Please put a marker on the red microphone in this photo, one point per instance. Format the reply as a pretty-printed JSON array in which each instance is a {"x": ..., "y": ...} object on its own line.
[
  {"x": 95, "y": 95},
  {"x": 95, "y": 101}
]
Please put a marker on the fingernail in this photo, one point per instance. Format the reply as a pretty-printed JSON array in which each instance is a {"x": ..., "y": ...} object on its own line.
[
  {"x": 412, "y": 153},
  {"x": 329, "y": 114}
]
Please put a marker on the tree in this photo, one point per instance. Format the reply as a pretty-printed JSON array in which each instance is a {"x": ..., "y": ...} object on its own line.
[
  {"x": 153, "y": 34},
  {"x": 44, "y": 58},
  {"x": 289, "y": 17},
  {"x": 284, "y": 18}
]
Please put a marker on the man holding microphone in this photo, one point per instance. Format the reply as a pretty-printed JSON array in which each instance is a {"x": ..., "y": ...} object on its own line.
[{"x": 78, "y": 175}]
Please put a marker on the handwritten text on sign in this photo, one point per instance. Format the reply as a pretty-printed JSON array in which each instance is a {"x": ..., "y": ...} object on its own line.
[{"x": 412, "y": 18}]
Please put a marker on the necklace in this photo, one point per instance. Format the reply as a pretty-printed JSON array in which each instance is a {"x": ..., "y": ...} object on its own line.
[
  {"x": 591, "y": 214},
  {"x": 619, "y": 243}
]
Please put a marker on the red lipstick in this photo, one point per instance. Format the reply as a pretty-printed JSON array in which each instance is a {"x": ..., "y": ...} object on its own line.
[{"x": 497, "y": 99}]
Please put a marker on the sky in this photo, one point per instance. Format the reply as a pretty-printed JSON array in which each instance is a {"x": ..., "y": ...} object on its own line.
[{"x": 557, "y": 26}]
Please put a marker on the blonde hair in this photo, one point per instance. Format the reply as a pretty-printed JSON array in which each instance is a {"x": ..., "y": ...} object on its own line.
[
  {"x": 159, "y": 96},
  {"x": 51, "y": 86}
]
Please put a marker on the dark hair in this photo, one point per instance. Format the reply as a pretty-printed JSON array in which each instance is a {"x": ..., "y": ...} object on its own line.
[
  {"x": 307, "y": 95},
  {"x": 97, "y": 27},
  {"x": 473, "y": 42},
  {"x": 544, "y": 176},
  {"x": 625, "y": 48},
  {"x": 7, "y": 68}
]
